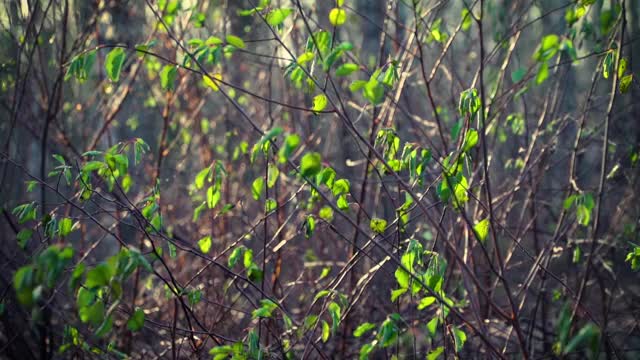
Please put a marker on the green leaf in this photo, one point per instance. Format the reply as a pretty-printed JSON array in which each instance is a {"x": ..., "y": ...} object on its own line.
[
  {"x": 291, "y": 142},
  {"x": 543, "y": 73},
  {"x": 198, "y": 210},
  {"x": 625, "y": 83},
  {"x": 346, "y": 69},
  {"x": 469, "y": 102},
  {"x": 319, "y": 102},
  {"x": 326, "y": 213},
  {"x": 277, "y": 16},
  {"x": 337, "y": 16},
  {"x": 567, "y": 47},
  {"x": 168, "y": 77},
  {"x": 105, "y": 327},
  {"x": 321, "y": 294},
  {"x": 481, "y": 229},
  {"x": 588, "y": 333},
  {"x": 460, "y": 338},
  {"x": 205, "y": 244},
  {"x": 99, "y": 276},
  {"x": 366, "y": 349},
  {"x": 378, "y": 225},
  {"x": 357, "y": 85},
  {"x": 257, "y": 188},
  {"x": 136, "y": 321},
  {"x": 327, "y": 176},
  {"x": 548, "y": 47},
  {"x": 23, "y": 237},
  {"x": 402, "y": 277},
  {"x": 65, "y": 226},
  {"x": 113, "y": 63},
  {"x": 310, "y": 226},
  {"x": 342, "y": 203},
  {"x": 388, "y": 332},
  {"x": 213, "y": 197},
  {"x": 518, "y": 75},
  {"x": 607, "y": 64},
  {"x": 435, "y": 353},
  {"x": 395, "y": 294},
  {"x": 325, "y": 331},
  {"x": 363, "y": 329},
  {"x": 470, "y": 140},
  {"x": 93, "y": 314},
  {"x": 265, "y": 310},
  {"x": 272, "y": 175},
  {"x": 202, "y": 176},
  {"x": 235, "y": 256},
  {"x": 310, "y": 164},
  {"x": 466, "y": 19},
  {"x": 235, "y": 41},
  {"x": 341, "y": 186},
  {"x": 270, "y": 205},
  {"x": 85, "y": 297},
  {"x": 305, "y": 58},
  {"x": 622, "y": 67},
  {"x": 373, "y": 91},
  {"x": 334, "y": 311},
  {"x": 577, "y": 254},
  {"x": 426, "y": 302},
  {"x": 212, "y": 81}
]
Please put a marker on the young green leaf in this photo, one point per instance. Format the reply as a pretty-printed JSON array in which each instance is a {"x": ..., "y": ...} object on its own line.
[
  {"x": 291, "y": 142},
  {"x": 378, "y": 225},
  {"x": 277, "y": 16},
  {"x": 113, "y": 63},
  {"x": 212, "y": 81},
  {"x": 319, "y": 102},
  {"x": 337, "y": 16},
  {"x": 257, "y": 188},
  {"x": 543, "y": 73},
  {"x": 363, "y": 329},
  {"x": 470, "y": 140},
  {"x": 625, "y": 83},
  {"x": 305, "y": 58},
  {"x": 205, "y": 244},
  {"x": 435, "y": 353},
  {"x": 346, "y": 69},
  {"x": 460, "y": 338},
  {"x": 136, "y": 321},
  {"x": 481, "y": 229},
  {"x": 426, "y": 302},
  {"x": 168, "y": 77},
  {"x": 213, "y": 197},
  {"x": 310, "y": 164},
  {"x": 235, "y": 41},
  {"x": 65, "y": 226},
  {"x": 325, "y": 331}
]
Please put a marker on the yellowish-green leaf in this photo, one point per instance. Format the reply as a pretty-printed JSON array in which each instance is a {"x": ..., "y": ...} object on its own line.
[
  {"x": 310, "y": 164},
  {"x": 305, "y": 58},
  {"x": 481, "y": 229},
  {"x": 319, "y": 102},
  {"x": 625, "y": 83},
  {"x": 212, "y": 81},
  {"x": 337, "y": 16},
  {"x": 205, "y": 244},
  {"x": 425, "y": 302},
  {"x": 346, "y": 69},
  {"x": 277, "y": 16},
  {"x": 326, "y": 331},
  {"x": 235, "y": 41},
  {"x": 378, "y": 225}
]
